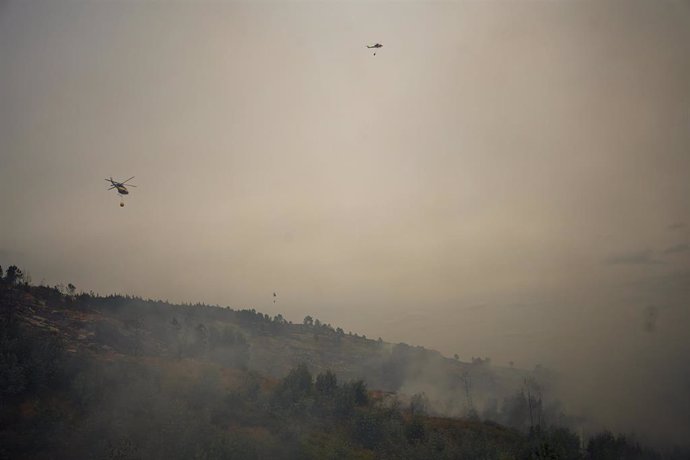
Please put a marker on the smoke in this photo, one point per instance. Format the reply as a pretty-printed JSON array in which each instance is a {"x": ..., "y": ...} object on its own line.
[{"x": 460, "y": 192}]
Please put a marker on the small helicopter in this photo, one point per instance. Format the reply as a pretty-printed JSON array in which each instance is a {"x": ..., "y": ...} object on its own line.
[
  {"x": 120, "y": 187},
  {"x": 376, "y": 46}
]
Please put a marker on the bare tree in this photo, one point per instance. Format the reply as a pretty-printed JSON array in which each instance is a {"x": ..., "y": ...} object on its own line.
[
  {"x": 534, "y": 403},
  {"x": 467, "y": 384}
]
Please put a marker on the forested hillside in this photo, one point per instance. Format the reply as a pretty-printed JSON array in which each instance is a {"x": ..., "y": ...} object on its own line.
[
  {"x": 86, "y": 376},
  {"x": 123, "y": 325}
]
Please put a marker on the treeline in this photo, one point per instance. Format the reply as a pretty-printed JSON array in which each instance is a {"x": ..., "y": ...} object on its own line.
[
  {"x": 144, "y": 327},
  {"x": 127, "y": 306},
  {"x": 156, "y": 315}
]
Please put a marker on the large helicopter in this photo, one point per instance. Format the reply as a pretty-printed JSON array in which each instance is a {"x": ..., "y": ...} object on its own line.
[{"x": 120, "y": 187}]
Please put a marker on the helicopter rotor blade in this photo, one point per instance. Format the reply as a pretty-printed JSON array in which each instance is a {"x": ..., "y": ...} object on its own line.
[{"x": 124, "y": 182}]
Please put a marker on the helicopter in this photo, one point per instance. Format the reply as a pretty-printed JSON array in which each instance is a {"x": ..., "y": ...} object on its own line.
[
  {"x": 376, "y": 46},
  {"x": 120, "y": 187}
]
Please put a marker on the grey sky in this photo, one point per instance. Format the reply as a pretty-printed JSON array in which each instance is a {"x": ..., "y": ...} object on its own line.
[{"x": 517, "y": 156}]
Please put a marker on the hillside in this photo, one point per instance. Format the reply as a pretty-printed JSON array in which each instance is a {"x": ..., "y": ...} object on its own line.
[
  {"x": 118, "y": 325},
  {"x": 86, "y": 376}
]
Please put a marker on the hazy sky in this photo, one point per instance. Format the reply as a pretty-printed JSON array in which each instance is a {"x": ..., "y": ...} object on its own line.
[{"x": 504, "y": 179}]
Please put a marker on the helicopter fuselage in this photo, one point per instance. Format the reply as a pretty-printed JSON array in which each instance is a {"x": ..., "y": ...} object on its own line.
[{"x": 120, "y": 187}]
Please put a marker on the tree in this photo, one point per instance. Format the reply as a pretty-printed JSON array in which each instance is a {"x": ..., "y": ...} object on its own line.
[
  {"x": 326, "y": 383},
  {"x": 13, "y": 275},
  {"x": 479, "y": 361},
  {"x": 296, "y": 385},
  {"x": 467, "y": 384},
  {"x": 534, "y": 403},
  {"x": 71, "y": 288},
  {"x": 308, "y": 321},
  {"x": 359, "y": 390},
  {"x": 456, "y": 357}
]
